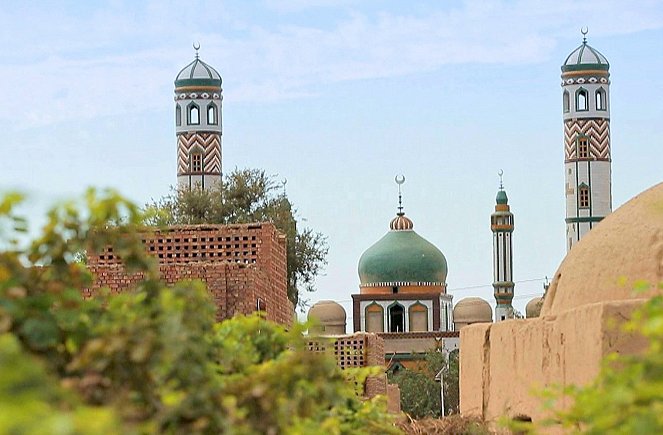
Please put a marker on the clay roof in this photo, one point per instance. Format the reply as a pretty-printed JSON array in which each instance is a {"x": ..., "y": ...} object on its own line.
[
  {"x": 623, "y": 252},
  {"x": 327, "y": 313},
  {"x": 473, "y": 310}
]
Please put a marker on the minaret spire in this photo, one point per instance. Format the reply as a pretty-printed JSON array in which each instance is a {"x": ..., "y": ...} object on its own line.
[
  {"x": 501, "y": 224},
  {"x": 400, "y": 179}
]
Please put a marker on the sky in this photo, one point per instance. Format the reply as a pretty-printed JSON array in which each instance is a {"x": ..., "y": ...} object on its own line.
[{"x": 338, "y": 97}]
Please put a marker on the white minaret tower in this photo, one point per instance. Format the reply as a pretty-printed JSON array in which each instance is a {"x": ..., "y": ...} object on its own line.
[
  {"x": 501, "y": 224},
  {"x": 587, "y": 167},
  {"x": 198, "y": 125}
]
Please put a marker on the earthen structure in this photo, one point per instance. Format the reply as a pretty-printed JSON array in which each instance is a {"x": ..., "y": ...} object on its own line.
[
  {"x": 589, "y": 298},
  {"x": 243, "y": 266}
]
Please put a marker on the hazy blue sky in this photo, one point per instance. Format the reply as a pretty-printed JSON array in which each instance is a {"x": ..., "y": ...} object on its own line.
[{"x": 338, "y": 97}]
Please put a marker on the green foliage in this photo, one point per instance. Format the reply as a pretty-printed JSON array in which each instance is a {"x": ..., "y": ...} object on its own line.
[
  {"x": 420, "y": 392},
  {"x": 152, "y": 360},
  {"x": 247, "y": 196},
  {"x": 627, "y": 396}
]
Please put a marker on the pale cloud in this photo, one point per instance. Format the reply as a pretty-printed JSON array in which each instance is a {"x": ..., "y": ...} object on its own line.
[{"x": 117, "y": 61}]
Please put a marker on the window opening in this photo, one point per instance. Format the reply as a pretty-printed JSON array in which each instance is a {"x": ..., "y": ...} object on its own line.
[
  {"x": 583, "y": 196},
  {"x": 581, "y": 100},
  {"x": 211, "y": 114},
  {"x": 600, "y": 99},
  {"x": 196, "y": 162},
  {"x": 178, "y": 115},
  {"x": 566, "y": 101},
  {"x": 396, "y": 318},
  {"x": 194, "y": 115},
  {"x": 583, "y": 148}
]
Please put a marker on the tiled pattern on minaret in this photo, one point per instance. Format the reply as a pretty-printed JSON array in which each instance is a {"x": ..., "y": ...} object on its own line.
[
  {"x": 598, "y": 132},
  {"x": 209, "y": 145}
]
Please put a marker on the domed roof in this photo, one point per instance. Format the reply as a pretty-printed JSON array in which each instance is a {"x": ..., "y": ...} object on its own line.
[
  {"x": 501, "y": 197},
  {"x": 473, "y": 310},
  {"x": 622, "y": 251},
  {"x": 198, "y": 73},
  {"x": 585, "y": 57},
  {"x": 402, "y": 256},
  {"x": 327, "y": 313},
  {"x": 533, "y": 308}
]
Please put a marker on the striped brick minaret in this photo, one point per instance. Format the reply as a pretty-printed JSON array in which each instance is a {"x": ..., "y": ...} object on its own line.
[
  {"x": 587, "y": 162},
  {"x": 198, "y": 100},
  {"x": 501, "y": 224}
]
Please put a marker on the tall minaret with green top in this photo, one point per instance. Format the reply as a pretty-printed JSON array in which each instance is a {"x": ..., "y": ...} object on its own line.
[
  {"x": 501, "y": 224},
  {"x": 587, "y": 155}
]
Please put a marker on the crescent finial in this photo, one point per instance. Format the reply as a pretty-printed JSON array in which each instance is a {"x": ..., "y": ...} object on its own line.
[
  {"x": 584, "y": 30},
  {"x": 196, "y": 46}
]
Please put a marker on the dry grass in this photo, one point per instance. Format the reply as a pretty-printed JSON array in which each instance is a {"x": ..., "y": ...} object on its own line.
[{"x": 452, "y": 425}]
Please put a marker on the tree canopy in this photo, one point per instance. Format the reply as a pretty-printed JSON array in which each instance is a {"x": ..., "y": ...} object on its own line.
[
  {"x": 420, "y": 392},
  {"x": 150, "y": 360},
  {"x": 246, "y": 196}
]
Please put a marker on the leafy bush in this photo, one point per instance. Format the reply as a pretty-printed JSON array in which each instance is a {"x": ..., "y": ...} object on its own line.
[
  {"x": 420, "y": 392},
  {"x": 152, "y": 360}
]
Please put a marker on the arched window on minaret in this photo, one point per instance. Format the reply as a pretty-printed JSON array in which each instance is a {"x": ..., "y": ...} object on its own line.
[
  {"x": 566, "y": 101},
  {"x": 396, "y": 318},
  {"x": 178, "y": 115},
  {"x": 193, "y": 114},
  {"x": 212, "y": 119},
  {"x": 583, "y": 147},
  {"x": 600, "y": 99},
  {"x": 582, "y": 103},
  {"x": 583, "y": 196},
  {"x": 196, "y": 161}
]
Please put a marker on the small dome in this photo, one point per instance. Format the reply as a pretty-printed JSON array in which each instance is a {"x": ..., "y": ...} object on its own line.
[
  {"x": 401, "y": 223},
  {"x": 585, "y": 58},
  {"x": 501, "y": 197},
  {"x": 330, "y": 317},
  {"x": 473, "y": 310},
  {"x": 198, "y": 73},
  {"x": 402, "y": 256},
  {"x": 623, "y": 250},
  {"x": 533, "y": 308}
]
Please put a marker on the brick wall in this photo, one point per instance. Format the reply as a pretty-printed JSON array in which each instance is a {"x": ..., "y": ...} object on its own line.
[
  {"x": 357, "y": 350},
  {"x": 240, "y": 264}
]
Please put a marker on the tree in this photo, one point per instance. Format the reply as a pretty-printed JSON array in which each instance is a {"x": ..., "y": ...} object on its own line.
[
  {"x": 150, "y": 360},
  {"x": 420, "y": 392},
  {"x": 246, "y": 196}
]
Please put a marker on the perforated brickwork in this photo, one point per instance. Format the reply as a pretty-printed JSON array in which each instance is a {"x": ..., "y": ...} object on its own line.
[
  {"x": 358, "y": 350},
  {"x": 243, "y": 266}
]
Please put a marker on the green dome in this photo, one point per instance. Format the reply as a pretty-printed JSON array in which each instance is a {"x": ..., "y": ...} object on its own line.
[
  {"x": 585, "y": 58},
  {"x": 402, "y": 256},
  {"x": 198, "y": 73},
  {"x": 501, "y": 197}
]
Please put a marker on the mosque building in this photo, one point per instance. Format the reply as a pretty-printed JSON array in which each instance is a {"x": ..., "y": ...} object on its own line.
[{"x": 198, "y": 97}]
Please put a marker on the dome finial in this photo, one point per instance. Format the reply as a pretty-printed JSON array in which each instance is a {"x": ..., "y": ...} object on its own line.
[
  {"x": 196, "y": 46},
  {"x": 584, "y": 31},
  {"x": 400, "y": 179},
  {"x": 500, "y": 173}
]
